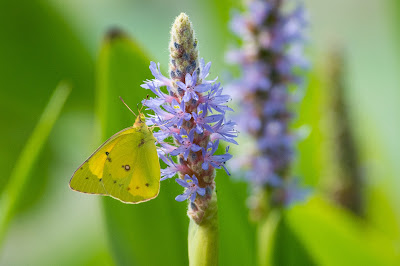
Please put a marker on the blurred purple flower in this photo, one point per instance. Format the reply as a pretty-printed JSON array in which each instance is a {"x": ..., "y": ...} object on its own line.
[{"x": 271, "y": 59}]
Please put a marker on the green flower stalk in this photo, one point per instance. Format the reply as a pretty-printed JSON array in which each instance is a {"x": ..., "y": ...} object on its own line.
[
  {"x": 203, "y": 238},
  {"x": 344, "y": 181},
  {"x": 191, "y": 118}
]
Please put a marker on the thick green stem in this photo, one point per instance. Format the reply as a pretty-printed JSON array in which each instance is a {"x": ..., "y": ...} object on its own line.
[
  {"x": 266, "y": 235},
  {"x": 203, "y": 237}
]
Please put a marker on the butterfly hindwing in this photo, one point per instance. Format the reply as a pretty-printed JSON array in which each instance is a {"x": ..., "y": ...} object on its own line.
[
  {"x": 87, "y": 182},
  {"x": 137, "y": 178}
]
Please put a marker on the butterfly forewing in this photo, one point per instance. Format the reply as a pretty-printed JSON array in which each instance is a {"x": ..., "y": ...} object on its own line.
[{"x": 125, "y": 167}]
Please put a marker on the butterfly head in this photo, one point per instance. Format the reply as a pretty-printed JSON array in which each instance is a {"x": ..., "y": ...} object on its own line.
[{"x": 140, "y": 120}]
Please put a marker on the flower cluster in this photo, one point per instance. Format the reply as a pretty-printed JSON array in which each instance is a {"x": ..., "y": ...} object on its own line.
[
  {"x": 270, "y": 57},
  {"x": 190, "y": 112}
]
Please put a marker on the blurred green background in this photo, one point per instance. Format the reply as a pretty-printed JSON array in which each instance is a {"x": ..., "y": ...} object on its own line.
[{"x": 46, "y": 41}]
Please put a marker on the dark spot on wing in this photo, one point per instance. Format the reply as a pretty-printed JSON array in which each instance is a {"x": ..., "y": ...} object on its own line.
[
  {"x": 137, "y": 187},
  {"x": 115, "y": 181},
  {"x": 141, "y": 143},
  {"x": 81, "y": 168},
  {"x": 100, "y": 179},
  {"x": 147, "y": 184},
  {"x": 126, "y": 167},
  {"x": 87, "y": 178},
  {"x": 109, "y": 159},
  {"x": 107, "y": 153},
  {"x": 128, "y": 188}
]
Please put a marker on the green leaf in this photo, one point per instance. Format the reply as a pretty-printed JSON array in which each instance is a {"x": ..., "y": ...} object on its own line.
[
  {"x": 154, "y": 232},
  {"x": 29, "y": 156},
  {"x": 311, "y": 170},
  {"x": 37, "y": 50},
  {"x": 334, "y": 237},
  {"x": 278, "y": 245}
]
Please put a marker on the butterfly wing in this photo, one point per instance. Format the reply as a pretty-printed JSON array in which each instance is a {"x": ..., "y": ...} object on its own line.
[
  {"x": 134, "y": 178},
  {"x": 125, "y": 167}
]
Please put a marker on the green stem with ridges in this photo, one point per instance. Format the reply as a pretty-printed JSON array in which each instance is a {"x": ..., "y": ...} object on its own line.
[{"x": 203, "y": 237}]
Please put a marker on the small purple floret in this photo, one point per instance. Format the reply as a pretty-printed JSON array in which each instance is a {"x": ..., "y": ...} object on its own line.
[{"x": 192, "y": 188}]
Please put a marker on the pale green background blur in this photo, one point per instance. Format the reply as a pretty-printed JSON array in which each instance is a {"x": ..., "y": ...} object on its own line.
[{"x": 43, "y": 42}]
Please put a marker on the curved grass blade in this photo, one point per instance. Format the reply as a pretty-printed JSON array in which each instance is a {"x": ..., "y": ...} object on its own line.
[{"x": 29, "y": 156}]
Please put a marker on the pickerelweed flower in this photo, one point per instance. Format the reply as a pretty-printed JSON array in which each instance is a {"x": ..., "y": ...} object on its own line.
[
  {"x": 190, "y": 112},
  {"x": 271, "y": 56}
]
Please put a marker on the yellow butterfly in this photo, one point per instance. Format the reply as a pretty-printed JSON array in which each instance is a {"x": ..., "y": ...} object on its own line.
[{"x": 125, "y": 167}]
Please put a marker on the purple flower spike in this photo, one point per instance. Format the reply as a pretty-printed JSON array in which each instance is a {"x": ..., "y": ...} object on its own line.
[
  {"x": 192, "y": 188},
  {"x": 271, "y": 59},
  {"x": 189, "y": 117}
]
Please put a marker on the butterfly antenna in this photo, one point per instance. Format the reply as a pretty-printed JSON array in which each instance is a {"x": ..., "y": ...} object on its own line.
[
  {"x": 147, "y": 97},
  {"x": 127, "y": 106}
]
